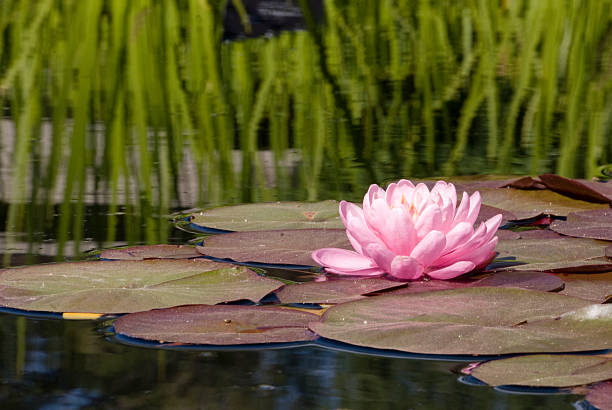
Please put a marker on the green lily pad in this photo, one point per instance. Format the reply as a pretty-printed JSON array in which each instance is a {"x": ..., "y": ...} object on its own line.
[
  {"x": 590, "y": 191},
  {"x": 219, "y": 325},
  {"x": 557, "y": 255},
  {"x": 475, "y": 321},
  {"x": 529, "y": 204},
  {"x": 334, "y": 291},
  {"x": 590, "y": 224},
  {"x": 274, "y": 215},
  {"x": 600, "y": 396},
  {"x": 545, "y": 370},
  {"x": 595, "y": 287},
  {"x": 128, "y": 286},
  {"x": 139, "y": 253},
  {"x": 287, "y": 247}
]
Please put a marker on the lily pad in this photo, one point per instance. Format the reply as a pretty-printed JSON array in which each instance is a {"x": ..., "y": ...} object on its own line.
[
  {"x": 529, "y": 204},
  {"x": 287, "y": 247},
  {"x": 506, "y": 235},
  {"x": 139, "y": 253},
  {"x": 128, "y": 286},
  {"x": 600, "y": 396},
  {"x": 538, "y": 234},
  {"x": 590, "y": 224},
  {"x": 334, "y": 291},
  {"x": 541, "y": 281},
  {"x": 595, "y": 287},
  {"x": 545, "y": 370},
  {"x": 266, "y": 216},
  {"x": 219, "y": 325},
  {"x": 590, "y": 191},
  {"x": 478, "y": 321},
  {"x": 557, "y": 255}
]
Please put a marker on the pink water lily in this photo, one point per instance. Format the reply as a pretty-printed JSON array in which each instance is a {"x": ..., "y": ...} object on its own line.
[{"x": 408, "y": 232}]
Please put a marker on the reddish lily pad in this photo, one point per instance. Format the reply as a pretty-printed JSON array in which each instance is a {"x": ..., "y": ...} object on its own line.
[
  {"x": 541, "y": 281},
  {"x": 526, "y": 183},
  {"x": 475, "y": 321},
  {"x": 487, "y": 212},
  {"x": 595, "y": 287},
  {"x": 600, "y": 396},
  {"x": 590, "y": 224},
  {"x": 529, "y": 204},
  {"x": 128, "y": 286},
  {"x": 219, "y": 325},
  {"x": 275, "y": 215},
  {"x": 287, "y": 247},
  {"x": 556, "y": 255},
  {"x": 334, "y": 291},
  {"x": 599, "y": 192},
  {"x": 139, "y": 253},
  {"x": 545, "y": 370}
]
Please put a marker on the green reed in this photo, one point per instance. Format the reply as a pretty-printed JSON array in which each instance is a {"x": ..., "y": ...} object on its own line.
[{"x": 381, "y": 89}]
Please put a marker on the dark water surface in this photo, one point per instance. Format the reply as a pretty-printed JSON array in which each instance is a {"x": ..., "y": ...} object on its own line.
[{"x": 67, "y": 364}]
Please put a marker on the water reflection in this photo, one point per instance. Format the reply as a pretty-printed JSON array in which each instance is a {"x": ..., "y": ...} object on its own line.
[{"x": 71, "y": 365}]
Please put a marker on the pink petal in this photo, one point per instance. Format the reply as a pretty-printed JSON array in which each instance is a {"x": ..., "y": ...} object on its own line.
[
  {"x": 354, "y": 242},
  {"x": 373, "y": 193},
  {"x": 397, "y": 231},
  {"x": 458, "y": 236},
  {"x": 492, "y": 225},
  {"x": 406, "y": 268},
  {"x": 447, "y": 213},
  {"x": 428, "y": 221},
  {"x": 462, "y": 210},
  {"x": 430, "y": 248},
  {"x": 365, "y": 272},
  {"x": 483, "y": 255},
  {"x": 344, "y": 261},
  {"x": 381, "y": 255},
  {"x": 452, "y": 271},
  {"x": 475, "y": 201},
  {"x": 421, "y": 197},
  {"x": 460, "y": 252}
]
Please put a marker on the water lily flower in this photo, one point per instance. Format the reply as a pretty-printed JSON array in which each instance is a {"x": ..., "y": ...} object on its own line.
[{"x": 408, "y": 232}]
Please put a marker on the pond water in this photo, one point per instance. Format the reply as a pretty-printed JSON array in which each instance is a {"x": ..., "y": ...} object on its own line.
[{"x": 110, "y": 127}]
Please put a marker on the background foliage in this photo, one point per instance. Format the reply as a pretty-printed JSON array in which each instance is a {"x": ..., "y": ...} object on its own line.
[{"x": 377, "y": 90}]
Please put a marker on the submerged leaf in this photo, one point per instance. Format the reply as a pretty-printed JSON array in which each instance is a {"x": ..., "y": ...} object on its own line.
[
  {"x": 288, "y": 247},
  {"x": 274, "y": 215},
  {"x": 545, "y": 370},
  {"x": 478, "y": 321},
  {"x": 128, "y": 286},
  {"x": 219, "y": 325}
]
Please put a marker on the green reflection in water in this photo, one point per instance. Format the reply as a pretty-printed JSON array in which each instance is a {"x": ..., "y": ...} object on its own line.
[{"x": 148, "y": 109}]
